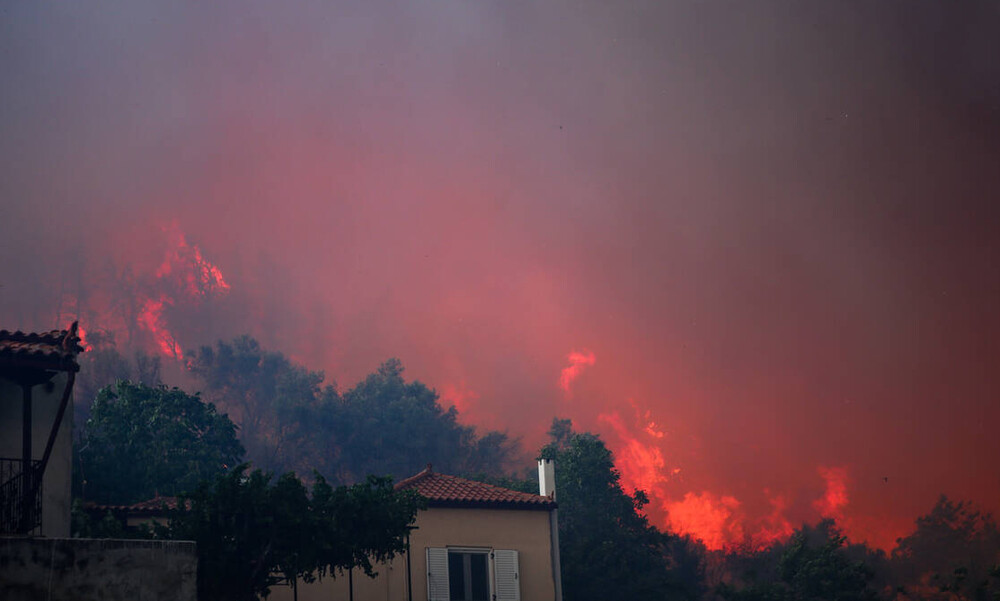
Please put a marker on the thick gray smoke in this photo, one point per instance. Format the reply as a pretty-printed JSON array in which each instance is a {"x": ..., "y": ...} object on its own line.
[{"x": 772, "y": 223}]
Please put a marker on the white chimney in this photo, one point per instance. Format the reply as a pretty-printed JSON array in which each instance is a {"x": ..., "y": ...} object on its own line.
[
  {"x": 546, "y": 478},
  {"x": 547, "y": 488}
]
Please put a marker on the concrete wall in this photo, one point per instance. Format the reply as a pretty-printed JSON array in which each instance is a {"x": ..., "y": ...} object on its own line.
[
  {"x": 526, "y": 531},
  {"x": 79, "y": 569},
  {"x": 57, "y": 483}
]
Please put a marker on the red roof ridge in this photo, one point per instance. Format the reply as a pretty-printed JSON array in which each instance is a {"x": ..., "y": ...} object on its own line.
[
  {"x": 408, "y": 482},
  {"x": 149, "y": 506},
  {"x": 443, "y": 490}
]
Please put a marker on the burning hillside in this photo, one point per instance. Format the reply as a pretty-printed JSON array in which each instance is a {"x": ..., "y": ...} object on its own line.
[{"x": 755, "y": 249}]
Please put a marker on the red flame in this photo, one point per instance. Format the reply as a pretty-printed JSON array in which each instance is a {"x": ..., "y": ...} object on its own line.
[
  {"x": 719, "y": 520},
  {"x": 578, "y": 361},
  {"x": 83, "y": 338},
  {"x": 184, "y": 276},
  {"x": 185, "y": 264},
  {"x": 641, "y": 464},
  {"x": 460, "y": 397},
  {"x": 713, "y": 519},
  {"x": 151, "y": 318},
  {"x": 140, "y": 301},
  {"x": 775, "y": 526},
  {"x": 67, "y": 313},
  {"x": 835, "y": 498}
]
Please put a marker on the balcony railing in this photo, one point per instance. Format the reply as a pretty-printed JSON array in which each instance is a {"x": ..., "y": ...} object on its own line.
[{"x": 20, "y": 509}]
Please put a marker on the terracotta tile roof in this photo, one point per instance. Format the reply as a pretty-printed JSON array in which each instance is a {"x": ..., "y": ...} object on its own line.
[
  {"x": 55, "y": 350},
  {"x": 442, "y": 490},
  {"x": 154, "y": 506}
]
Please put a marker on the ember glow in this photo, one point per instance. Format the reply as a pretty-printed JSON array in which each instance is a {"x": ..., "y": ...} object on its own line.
[{"x": 765, "y": 236}]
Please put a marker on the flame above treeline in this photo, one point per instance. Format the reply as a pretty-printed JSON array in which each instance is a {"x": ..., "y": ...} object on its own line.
[
  {"x": 140, "y": 318},
  {"x": 185, "y": 278},
  {"x": 755, "y": 250},
  {"x": 642, "y": 457}
]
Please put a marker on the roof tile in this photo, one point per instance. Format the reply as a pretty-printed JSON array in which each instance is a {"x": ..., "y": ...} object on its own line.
[
  {"x": 56, "y": 349},
  {"x": 442, "y": 490}
]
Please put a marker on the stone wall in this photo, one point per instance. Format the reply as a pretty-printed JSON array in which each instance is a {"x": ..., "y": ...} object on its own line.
[{"x": 79, "y": 569}]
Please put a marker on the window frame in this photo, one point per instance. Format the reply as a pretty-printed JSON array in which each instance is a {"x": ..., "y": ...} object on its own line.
[{"x": 488, "y": 552}]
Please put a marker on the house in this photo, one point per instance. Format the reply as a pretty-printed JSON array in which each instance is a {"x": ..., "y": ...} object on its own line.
[
  {"x": 474, "y": 542},
  {"x": 136, "y": 516},
  {"x": 38, "y": 559},
  {"x": 37, "y": 371}
]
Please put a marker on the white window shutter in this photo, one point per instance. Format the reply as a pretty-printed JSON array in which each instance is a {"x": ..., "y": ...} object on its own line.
[
  {"x": 507, "y": 574},
  {"x": 437, "y": 574}
]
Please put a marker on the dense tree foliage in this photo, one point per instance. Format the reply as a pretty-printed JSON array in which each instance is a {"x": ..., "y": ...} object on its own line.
[
  {"x": 271, "y": 398},
  {"x": 253, "y": 533},
  {"x": 954, "y": 551},
  {"x": 384, "y": 425},
  {"x": 141, "y": 441},
  {"x": 813, "y": 565}
]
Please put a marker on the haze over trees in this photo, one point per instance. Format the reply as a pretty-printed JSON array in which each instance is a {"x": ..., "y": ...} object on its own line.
[
  {"x": 814, "y": 564},
  {"x": 282, "y": 414},
  {"x": 955, "y": 550},
  {"x": 256, "y": 529},
  {"x": 384, "y": 425}
]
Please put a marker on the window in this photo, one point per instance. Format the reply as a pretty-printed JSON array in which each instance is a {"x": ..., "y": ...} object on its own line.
[
  {"x": 468, "y": 576},
  {"x": 472, "y": 574}
]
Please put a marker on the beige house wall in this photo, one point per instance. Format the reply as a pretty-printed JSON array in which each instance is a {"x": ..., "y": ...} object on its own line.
[
  {"x": 525, "y": 531},
  {"x": 56, "y": 486}
]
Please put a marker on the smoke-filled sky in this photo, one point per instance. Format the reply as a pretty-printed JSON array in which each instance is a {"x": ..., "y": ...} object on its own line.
[{"x": 759, "y": 237}]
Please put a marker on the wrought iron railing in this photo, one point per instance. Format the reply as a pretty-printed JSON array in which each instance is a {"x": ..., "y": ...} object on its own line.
[{"x": 20, "y": 497}]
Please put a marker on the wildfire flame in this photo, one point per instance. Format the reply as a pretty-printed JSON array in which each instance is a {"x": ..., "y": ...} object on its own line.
[
  {"x": 641, "y": 464},
  {"x": 83, "y": 338},
  {"x": 713, "y": 519},
  {"x": 835, "y": 498},
  {"x": 459, "y": 396},
  {"x": 776, "y": 526},
  {"x": 142, "y": 303},
  {"x": 151, "y": 318},
  {"x": 185, "y": 264},
  {"x": 578, "y": 361},
  {"x": 184, "y": 275},
  {"x": 719, "y": 521}
]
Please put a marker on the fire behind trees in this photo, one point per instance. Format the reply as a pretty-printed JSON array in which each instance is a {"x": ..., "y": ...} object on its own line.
[
  {"x": 386, "y": 425},
  {"x": 290, "y": 419}
]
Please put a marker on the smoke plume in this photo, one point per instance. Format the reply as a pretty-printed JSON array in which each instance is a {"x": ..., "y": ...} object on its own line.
[{"x": 775, "y": 223}]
